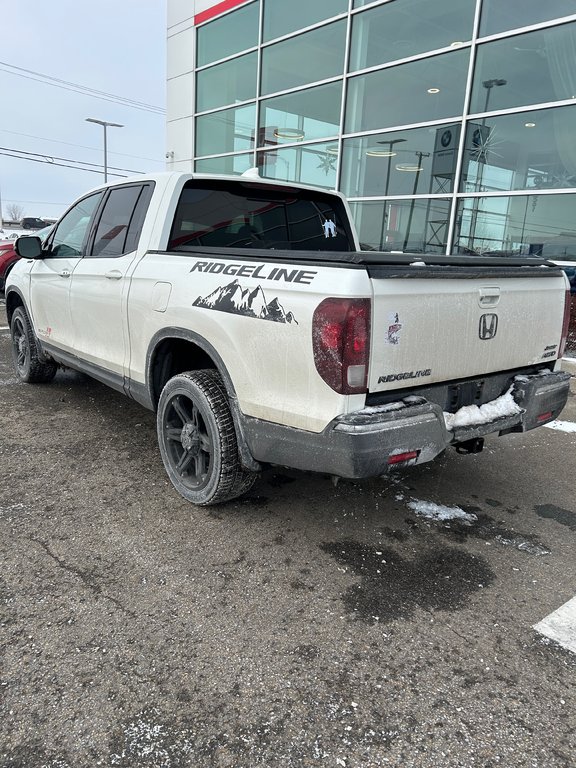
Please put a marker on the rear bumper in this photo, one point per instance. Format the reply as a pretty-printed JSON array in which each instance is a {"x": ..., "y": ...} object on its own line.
[{"x": 360, "y": 444}]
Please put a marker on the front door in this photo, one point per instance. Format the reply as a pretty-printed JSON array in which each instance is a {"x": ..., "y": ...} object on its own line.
[{"x": 50, "y": 277}]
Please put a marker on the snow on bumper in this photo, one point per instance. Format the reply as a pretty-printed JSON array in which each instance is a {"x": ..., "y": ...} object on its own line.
[
  {"x": 416, "y": 425},
  {"x": 365, "y": 443}
]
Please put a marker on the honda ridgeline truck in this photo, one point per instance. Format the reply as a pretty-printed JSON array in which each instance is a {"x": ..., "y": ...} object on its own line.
[{"x": 245, "y": 314}]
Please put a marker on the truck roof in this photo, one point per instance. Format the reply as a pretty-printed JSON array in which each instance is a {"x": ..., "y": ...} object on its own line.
[{"x": 165, "y": 177}]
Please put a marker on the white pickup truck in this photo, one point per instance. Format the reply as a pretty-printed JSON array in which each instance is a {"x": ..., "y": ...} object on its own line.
[{"x": 245, "y": 314}]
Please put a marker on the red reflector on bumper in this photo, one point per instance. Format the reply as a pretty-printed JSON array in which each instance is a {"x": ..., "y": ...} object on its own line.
[
  {"x": 398, "y": 458},
  {"x": 544, "y": 416}
]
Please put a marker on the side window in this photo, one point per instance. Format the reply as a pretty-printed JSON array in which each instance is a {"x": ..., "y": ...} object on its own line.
[
  {"x": 135, "y": 228},
  {"x": 70, "y": 234},
  {"x": 111, "y": 237}
]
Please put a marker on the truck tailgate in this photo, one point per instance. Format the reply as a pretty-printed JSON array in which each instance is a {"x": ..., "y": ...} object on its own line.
[{"x": 435, "y": 324}]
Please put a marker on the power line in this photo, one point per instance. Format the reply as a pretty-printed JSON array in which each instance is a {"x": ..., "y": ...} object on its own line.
[
  {"x": 60, "y": 165},
  {"x": 82, "y": 146},
  {"x": 87, "y": 89},
  {"x": 66, "y": 85},
  {"x": 51, "y": 158},
  {"x": 63, "y": 87},
  {"x": 32, "y": 202}
]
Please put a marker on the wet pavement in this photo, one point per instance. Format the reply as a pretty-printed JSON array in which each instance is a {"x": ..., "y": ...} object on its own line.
[{"x": 305, "y": 625}]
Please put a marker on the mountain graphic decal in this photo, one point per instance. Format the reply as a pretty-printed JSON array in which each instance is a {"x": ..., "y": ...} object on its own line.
[{"x": 250, "y": 302}]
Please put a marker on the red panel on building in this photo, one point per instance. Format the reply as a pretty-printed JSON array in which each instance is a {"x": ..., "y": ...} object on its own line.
[{"x": 216, "y": 10}]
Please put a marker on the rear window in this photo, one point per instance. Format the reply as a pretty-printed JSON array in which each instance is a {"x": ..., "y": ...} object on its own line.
[{"x": 221, "y": 214}]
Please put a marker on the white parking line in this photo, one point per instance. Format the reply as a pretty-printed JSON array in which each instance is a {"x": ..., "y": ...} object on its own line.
[
  {"x": 4, "y": 327},
  {"x": 562, "y": 426},
  {"x": 560, "y": 626}
]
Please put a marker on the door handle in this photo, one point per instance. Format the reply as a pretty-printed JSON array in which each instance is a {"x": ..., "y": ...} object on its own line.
[
  {"x": 65, "y": 273},
  {"x": 114, "y": 274},
  {"x": 489, "y": 296}
]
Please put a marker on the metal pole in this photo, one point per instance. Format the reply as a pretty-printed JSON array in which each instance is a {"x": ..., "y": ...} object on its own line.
[
  {"x": 389, "y": 154},
  {"x": 419, "y": 155},
  {"x": 105, "y": 156},
  {"x": 104, "y": 125}
]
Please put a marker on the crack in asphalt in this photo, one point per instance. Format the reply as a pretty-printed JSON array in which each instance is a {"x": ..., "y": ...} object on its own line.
[{"x": 96, "y": 589}]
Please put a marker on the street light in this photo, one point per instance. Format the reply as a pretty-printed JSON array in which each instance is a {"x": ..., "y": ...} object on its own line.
[{"x": 104, "y": 125}]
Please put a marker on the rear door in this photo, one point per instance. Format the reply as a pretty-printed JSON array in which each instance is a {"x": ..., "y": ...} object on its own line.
[{"x": 101, "y": 279}]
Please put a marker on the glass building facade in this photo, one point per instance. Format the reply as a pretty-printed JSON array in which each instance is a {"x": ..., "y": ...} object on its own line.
[{"x": 450, "y": 125}]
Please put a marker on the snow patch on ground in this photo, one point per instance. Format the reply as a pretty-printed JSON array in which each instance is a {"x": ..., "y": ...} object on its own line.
[
  {"x": 152, "y": 743},
  {"x": 524, "y": 546},
  {"x": 562, "y": 426},
  {"x": 470, "y": 415},
  {"x": 439, "y": 512}
]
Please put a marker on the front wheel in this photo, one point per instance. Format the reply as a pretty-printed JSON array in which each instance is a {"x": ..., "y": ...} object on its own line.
[
  {"x": 197, "y": 439},
  {"x": 27, "y": 359}
]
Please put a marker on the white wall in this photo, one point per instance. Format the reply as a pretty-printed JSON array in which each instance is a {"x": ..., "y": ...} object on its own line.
[{"x": 180, "y": 85}]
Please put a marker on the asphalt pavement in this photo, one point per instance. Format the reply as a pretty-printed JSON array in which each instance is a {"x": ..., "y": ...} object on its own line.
[{"x": 309, "y": 624}]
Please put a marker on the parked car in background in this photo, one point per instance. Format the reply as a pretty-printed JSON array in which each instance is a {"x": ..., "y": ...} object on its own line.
[
  {"x": 571, "y": 274},
  {"x": 30, "y": 222},
  {"x": 9, "y": 257},
  {"x": 570, "y": 270}
]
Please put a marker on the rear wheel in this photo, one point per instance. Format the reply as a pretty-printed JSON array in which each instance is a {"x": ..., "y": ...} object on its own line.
[
  {"x": 25, "y": 353},
  {"x": 197, "y": 439}
]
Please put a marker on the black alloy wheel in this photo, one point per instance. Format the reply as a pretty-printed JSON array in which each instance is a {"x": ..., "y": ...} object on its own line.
[
  {"x": 197, "y": 439},
  {"x": 28, "y": 361}
]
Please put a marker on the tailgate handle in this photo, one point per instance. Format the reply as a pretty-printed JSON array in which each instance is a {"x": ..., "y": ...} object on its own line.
[{"x": 489, "y": 296}]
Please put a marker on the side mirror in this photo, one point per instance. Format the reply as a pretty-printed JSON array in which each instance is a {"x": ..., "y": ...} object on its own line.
[{"x": 28, "y": 247}]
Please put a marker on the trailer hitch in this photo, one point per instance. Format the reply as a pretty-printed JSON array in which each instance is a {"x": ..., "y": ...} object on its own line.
[{"x": 474, "y": 445}]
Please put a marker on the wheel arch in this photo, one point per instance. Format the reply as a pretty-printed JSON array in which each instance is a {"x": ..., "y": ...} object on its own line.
[
  {"x": 176, "y": 350},
  {"x": 14, "y": 299}
]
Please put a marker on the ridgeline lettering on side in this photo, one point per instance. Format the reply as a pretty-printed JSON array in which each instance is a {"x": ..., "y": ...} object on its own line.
[{"x": 301, "y": 276}]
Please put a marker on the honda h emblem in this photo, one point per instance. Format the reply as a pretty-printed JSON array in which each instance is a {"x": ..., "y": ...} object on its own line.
[{"x": 488, "y": 326}]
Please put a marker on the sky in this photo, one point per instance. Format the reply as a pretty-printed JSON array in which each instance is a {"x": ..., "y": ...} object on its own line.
[{"x": 114, "y": 46}]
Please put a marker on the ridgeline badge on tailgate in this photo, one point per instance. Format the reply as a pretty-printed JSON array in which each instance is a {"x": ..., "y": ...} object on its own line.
[{"x": 404, "y": 375}]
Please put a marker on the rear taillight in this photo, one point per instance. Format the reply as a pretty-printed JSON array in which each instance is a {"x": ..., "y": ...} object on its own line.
[
  {"x": 565, "y": 325},
  {"x": 341, "y": 343}
]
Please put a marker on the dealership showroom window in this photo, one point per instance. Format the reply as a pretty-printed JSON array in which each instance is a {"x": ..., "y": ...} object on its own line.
[{"x": 448, "y": 126}]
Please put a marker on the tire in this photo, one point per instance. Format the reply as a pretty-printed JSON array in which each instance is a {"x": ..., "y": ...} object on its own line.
[
  {"x": 197, "y": 439},
  {"x": 25, "y": 353}
]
